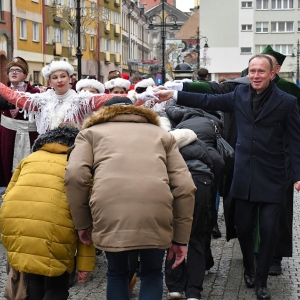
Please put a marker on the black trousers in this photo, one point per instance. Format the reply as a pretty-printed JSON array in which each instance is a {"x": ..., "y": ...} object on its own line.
[
  {"x": 245, "y": 220},
  {"x": 41, "y": 287},
  {"x": 189, "y": 275}
]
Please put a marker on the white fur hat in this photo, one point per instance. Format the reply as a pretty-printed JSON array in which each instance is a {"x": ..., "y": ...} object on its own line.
[
  {"x": 56, "y": 66},
  {"x": 119, "y": 82},
  {"x": 92, "y": 83},
  {"x": 184, "y": 136},
  {"x": 145, "y": 83}
]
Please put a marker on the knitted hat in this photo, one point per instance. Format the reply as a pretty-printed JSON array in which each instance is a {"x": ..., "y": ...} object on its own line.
[
  {"x": 279, "y": 57},
  {"x": 92, "y": 83},
  {"x": 145, "y": 83},
  {"x": 56, "y": 66},
  {"x": 119, "y": 82},
  {"x": 117, "y": 100},
  {"x": 114, "y": 74},
  {"x": 18, "y": 62}
]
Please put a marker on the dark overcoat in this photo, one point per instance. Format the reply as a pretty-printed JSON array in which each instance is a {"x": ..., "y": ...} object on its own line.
[{"x": 260, "y": 162}]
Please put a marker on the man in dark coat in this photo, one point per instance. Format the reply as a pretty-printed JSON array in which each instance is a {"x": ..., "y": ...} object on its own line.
[{"x": 264, "y": 116}]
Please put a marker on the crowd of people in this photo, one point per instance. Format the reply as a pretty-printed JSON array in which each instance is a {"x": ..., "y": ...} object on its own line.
[{"x": 135, "y": 170}]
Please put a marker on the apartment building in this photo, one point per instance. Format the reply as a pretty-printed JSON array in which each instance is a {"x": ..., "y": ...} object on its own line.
[
  {"x": 238, "y": 29},
  {"x": 6, "y": 37},
  {"x": 135, "y": 38}
]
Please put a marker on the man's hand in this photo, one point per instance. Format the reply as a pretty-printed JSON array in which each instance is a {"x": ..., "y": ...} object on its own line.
[
  {"x": 297, "y": 186},
  {"x": 165, "y": 95},
  {"x": 179, "y": 251},
  {"x": 85, "y": 236}
]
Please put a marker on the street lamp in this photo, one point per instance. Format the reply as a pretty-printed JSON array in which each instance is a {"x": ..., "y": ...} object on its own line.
[
  {"x": 78, "y": 53},
  {"x": 293, "y": 55},
  {"x": 197, "y": 48},
  {"x": 163, "y": 26}
]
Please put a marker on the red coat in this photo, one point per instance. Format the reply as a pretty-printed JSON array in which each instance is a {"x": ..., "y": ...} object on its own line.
[{"x": 7, "y": 142}]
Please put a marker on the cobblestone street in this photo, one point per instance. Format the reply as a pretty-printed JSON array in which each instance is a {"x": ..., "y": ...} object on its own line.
[{"x": 224, "y": 282}]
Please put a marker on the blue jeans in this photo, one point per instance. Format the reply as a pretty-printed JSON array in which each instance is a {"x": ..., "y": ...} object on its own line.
[{"x": 150, "y": 273}]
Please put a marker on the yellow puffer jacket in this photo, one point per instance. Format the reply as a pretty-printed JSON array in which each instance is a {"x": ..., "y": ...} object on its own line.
[{"x": 37, "y": 229}]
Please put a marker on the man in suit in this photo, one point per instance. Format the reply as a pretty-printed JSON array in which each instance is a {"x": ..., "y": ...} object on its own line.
[{"x": 264, "y": 115}]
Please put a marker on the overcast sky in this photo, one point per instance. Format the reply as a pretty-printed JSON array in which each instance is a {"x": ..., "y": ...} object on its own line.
[{"x": 185, "y": 5}]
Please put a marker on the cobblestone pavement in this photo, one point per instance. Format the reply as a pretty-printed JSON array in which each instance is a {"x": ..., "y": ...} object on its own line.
[{"x": 225, "y": 279}]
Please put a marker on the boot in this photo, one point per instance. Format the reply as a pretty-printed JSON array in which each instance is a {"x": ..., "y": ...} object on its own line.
[{"x": 216, "y": 232}]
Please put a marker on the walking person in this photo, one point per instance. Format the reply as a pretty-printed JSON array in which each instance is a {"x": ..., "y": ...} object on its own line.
[
  {"x": 264, "y": 116},
  {"x": 35, "y": 222},
  {"x": 142, "y": 198}
]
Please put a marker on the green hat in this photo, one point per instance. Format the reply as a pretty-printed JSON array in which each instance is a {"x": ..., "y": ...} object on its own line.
[{"x": 279, "y": 57}]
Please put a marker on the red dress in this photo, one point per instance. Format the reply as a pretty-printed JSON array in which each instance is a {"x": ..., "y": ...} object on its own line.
[{"x": 7, "y": 142}]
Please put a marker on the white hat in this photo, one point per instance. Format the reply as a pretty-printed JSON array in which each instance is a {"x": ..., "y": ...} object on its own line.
[
  {"x": 92, "y": 83},
  {"x": 145, "y": 83},
  {"x": 119, "y": 82},
  {"x": 56, "y": 66},
  {"x": 184, "y": 136}
]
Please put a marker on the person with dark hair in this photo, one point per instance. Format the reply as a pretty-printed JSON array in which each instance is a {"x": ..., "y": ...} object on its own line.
[
  {"x": 265, "y": 116},
  {"x": 36, "y": 198},
  {"x": 128, "y": 156},
  {"x": 202, "y": 74}
]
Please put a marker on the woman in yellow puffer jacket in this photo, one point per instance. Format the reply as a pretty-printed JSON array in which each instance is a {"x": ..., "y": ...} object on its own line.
[{"x": 37, "y": 229}]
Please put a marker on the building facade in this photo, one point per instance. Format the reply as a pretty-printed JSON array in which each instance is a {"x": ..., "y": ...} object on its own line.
[{"x": 245, "y": 29}]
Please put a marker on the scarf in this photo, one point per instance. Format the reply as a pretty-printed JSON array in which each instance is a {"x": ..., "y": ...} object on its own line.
[{"x": 260, "y": 100}]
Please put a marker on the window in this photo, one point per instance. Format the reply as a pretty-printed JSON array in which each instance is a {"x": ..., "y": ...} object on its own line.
[
  {"x": 83, "y": 8},
  {"x": 58, "y": 35},
  {"x": 298, "y": 25},
  {"x": 57, "y": 2},
  {"x": 83, "y": 41},
  {"x": 48, "y": 39},
  {"x": 284, "y": 49},
  {"x": 48, "y": 2},
  {"x": 298, "y": 3},
  {"x": 246, "y": 4},
  {"x": 71, "y": 3},
  {"x": 105, "y": 44},
  {"x": 116, "y": 17},
  {"x": 1, "y": 9},
  {"x": 92, "y": 43},
  {"x": 262, "y": 27},
  {"x": 259, "y": 48},
  {"x": 35, "y": 32},
  {"x": 245, "y": 50},
  {"x": 282, "y": 4},
  {"x": 36, "y": 76},
  {"x": 93, "y": 9},
  {"x": 262, "y": 4},
  {"x": 23, "y": 29},
  {"x": 117, "y": 47},
  {"x": 106, "y": 13},
  {"x": 282, "y": 27},
  {"x": 247, "y": 27}
]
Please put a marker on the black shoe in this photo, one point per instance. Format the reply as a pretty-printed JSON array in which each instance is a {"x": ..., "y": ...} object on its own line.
[
  {"x": 275, "y": 268},
  {"x": 216, "y": 232},
  {"x": 249, "y": 281},
  {"x": 262, "y": 293}
]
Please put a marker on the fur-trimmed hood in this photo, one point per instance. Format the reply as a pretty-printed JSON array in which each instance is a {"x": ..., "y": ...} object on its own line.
[
  {"x": 64, "y": 135},
  {"x": 107, "y": 113}
]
